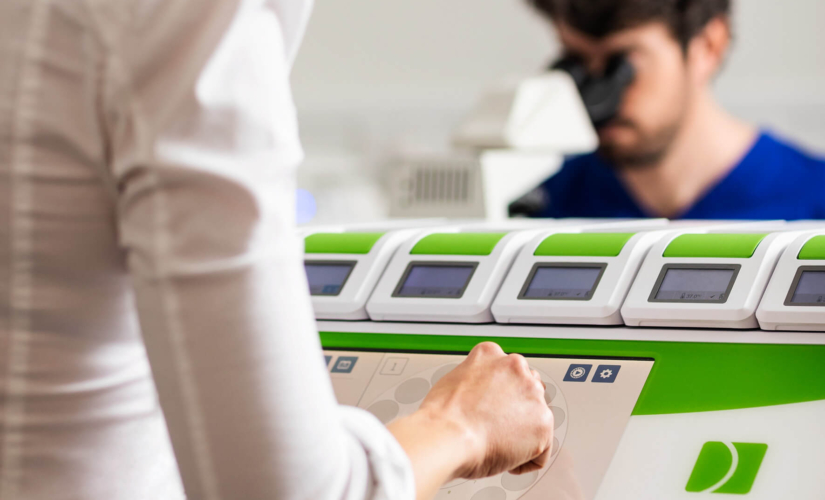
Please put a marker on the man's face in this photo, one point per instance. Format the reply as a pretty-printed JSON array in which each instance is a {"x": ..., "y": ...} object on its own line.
[{"x": 655, "y": 104}]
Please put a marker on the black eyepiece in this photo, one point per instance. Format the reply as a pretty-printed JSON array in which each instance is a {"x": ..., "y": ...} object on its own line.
[{"x": 602, "y": 94}]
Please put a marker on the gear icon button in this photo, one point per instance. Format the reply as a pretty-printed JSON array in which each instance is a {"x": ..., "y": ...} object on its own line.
[{"x": 606, "y": 374}]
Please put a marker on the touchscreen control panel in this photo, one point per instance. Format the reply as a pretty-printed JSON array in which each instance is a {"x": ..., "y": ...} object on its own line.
[
  {"x": 808, "y": 287},
  {"x": 445, "y": 280},
  {"x": 591, "y": 401},
  {"x": 327, "y": 278},
  {"x": 562, "y": 282},
  {"x": 697, "y": 284}
]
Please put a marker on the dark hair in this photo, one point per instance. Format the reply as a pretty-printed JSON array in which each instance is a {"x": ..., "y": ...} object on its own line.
[{"x": 598, "y": 18}]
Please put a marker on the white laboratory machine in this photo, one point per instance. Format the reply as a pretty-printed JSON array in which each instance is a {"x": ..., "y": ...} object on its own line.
[
  {"x": 522, "y": 125},
  {"x": 710, "y": 411},
  {"x": 446, "y": 275},
  {"x": 795, "y": 297},
  {"x": 343, "y": 264},
  {"x": 454, "y": 276},
  {"x": 573, "y": 278},
  {"x": 707, "y": 279}
]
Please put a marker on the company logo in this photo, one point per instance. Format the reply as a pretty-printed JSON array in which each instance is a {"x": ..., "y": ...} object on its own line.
[{"x": 726, "y": 468}]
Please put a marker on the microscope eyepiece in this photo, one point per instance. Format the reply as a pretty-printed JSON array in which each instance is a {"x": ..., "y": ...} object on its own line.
[{"x": 602, "y": 94}]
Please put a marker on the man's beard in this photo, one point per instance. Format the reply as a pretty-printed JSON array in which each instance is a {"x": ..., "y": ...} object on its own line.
[{"x": 653, "y": 147}]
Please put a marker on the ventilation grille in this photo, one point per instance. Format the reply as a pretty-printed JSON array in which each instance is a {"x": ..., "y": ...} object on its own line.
[
  {"x": 439, "y": 185},
  {"x": 429, "y": 182}
]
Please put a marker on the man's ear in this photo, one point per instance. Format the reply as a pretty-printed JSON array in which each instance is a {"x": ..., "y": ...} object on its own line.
[{"x": 707, "y": 50}]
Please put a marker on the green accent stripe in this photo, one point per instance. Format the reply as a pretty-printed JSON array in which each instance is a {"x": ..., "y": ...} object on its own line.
[
  {"x": 814, "y": 249},
  {"x": 686, "y": 378},
  {"x": 583, "y": 245},
  {"x": 353, "y": 243},
  {"x": 714, "y": 246},
  {"x": 457, "y": 244}
]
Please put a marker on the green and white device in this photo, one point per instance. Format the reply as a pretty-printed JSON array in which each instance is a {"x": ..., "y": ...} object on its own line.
[
  {"x": 705, "y": 279},
  {"x": 343, "y": 268},
  {"x": 640, "y": 413},
  {"x": 710, "y": 411},
  {"x": 446, "y": 276},
  {"x": 573, "y": 278},
  {"x": 795, "y": 297},
  {"x": 454, "y": 276}
]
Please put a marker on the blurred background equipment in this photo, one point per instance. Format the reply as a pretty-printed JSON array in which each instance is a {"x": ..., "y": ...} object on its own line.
[
  {"x": 376, "y": 81},
  {"x": 516, "y": 136}
]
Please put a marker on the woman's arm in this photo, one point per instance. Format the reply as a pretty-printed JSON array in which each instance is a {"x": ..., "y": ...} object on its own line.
[{"x": 204, "y": 145}]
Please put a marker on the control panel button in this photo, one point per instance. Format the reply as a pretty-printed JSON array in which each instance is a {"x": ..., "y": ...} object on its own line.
[
  {"x": 577, "y": 373},
  {"x": 394, "y": 366},
  {"x": 606, "y": 374},
  {"x": 344, "y": 364}
]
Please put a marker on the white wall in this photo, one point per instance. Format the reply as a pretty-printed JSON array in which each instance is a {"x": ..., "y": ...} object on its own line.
[
  {"x": 776, "y": 75},
  {"x": 376, "y": 76}
]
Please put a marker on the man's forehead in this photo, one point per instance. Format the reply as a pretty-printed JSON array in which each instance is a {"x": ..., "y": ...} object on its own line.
[{"x": 581, "y": 43}]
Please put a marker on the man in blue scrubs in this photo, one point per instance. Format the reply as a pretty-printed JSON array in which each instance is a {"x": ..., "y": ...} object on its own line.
[{"x": 671, "y": 150}]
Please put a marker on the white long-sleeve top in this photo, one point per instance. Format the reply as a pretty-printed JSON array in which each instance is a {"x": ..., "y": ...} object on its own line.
[{"x": 147, "y": 156}]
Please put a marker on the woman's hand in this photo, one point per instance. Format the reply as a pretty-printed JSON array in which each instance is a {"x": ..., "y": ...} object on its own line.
[{"x": 485, "y": 417}]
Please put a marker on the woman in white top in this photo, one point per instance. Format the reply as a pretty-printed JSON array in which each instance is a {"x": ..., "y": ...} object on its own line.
[{"x": 147, "y": 156}]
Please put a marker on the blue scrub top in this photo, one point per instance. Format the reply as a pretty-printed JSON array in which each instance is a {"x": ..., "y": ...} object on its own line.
[{"x": 773, "y": 181}]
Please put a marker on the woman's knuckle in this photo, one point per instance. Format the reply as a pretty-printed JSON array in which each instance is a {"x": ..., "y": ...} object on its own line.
[
  {"x": 549, "y": 421},
  {"x": 511, "y": 362},
  {"x": 486, "y": 347}
]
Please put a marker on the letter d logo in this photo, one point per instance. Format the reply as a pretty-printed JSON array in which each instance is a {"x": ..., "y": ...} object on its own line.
[{"x": 726, "y": 467}]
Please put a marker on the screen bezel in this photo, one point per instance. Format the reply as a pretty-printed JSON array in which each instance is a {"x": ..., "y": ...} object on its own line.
[
  {"x": 708, "y": 267},
  {"x": 425, "y": 263},
  {"x": 540, "y": 265},
  {"x": 350, "y": 263},
  {"x": 795, "y": 284}
]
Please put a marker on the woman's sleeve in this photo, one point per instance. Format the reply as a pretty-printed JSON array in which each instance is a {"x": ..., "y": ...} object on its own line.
[{"x": 203, "y": 146}]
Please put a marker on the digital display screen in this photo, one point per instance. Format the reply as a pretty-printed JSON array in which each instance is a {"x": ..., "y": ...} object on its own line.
[
  {"x": 695, "y": 284},
  {"x": 562, "y": 282},
  {"x": 810, "y": 288},
  {"x": 435, "y": 280},
  {"x": 327, "y": 278}
]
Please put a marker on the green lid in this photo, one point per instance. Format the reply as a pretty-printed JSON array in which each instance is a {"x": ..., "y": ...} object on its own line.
[
  {"x": 814, "y": 249},
  {"x": 715, "y": 246},
  {"x": 583, "y": 245},
  {"x": 457, "y": 244},
  {"x": 355, "y": 243}
]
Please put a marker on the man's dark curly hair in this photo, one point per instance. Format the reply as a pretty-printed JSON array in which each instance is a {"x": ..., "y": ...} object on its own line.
[{"x": 598, "y": 18}]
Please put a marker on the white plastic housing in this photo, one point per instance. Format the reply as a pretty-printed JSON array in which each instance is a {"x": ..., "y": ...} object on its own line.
[
  {"x": 775, "y": 312},
  {"x": 604, "y": 306},
  {"x": 351, "y": 303},
  {"x": 543, "y": 112},
  {"x": 738, "y": 311},
  {"x": 474, "y": 304}
]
